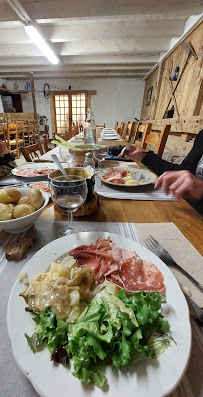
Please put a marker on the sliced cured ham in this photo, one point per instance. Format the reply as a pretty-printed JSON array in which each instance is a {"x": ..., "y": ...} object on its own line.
[
  {"x": 34, "y": 171},
  {"x": 116, "y": 175},
  {"x": 120, "y": 266}
]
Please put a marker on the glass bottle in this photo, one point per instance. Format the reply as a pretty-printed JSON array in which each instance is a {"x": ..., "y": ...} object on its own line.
[
  {"x": 90, "y": 128},
  {"x": 89, "y": 161}
]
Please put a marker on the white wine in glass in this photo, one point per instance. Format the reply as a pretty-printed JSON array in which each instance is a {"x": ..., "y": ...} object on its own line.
[{"x": 69, "y": 196}]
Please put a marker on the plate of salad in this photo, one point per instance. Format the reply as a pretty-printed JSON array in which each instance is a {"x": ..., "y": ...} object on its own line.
[{"x": 112, "y": 337}]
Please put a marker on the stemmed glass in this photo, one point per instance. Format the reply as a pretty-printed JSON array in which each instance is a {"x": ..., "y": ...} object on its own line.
[
  {"x": 100, "y": 152},
  {"x": 69, "y": 195},
  {"x": 65, "y": 155}
]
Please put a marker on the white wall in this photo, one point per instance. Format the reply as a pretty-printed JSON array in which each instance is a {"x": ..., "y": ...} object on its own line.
[{"x": 116, "y": 99}]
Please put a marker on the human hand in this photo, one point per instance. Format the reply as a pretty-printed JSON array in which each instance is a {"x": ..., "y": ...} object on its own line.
[
  {"x": 181, "y": 184},
  {"x": 135, "y": 153},
  {"x": 3, "y": 149}
]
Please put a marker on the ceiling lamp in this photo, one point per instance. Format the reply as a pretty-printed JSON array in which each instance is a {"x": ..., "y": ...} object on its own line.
[{"x": 37, "y": 38}]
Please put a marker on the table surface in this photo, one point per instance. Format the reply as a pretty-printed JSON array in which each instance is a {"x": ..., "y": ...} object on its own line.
[{"x": 180, "y": 213}]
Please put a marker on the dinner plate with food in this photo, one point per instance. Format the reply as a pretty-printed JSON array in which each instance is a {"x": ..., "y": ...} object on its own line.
[
  {"x": 34, "y": 170},
  {"x": 127, "y": 176},
  {"x": 109, "y": 317}
]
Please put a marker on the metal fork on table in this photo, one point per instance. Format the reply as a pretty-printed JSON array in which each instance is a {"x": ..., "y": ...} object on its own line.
[
  {"x": 164, "y": 255},
  {"x": 155, "y": 247}
]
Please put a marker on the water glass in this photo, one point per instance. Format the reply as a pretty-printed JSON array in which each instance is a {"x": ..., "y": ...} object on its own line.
[{"x": 100, "y": 152}]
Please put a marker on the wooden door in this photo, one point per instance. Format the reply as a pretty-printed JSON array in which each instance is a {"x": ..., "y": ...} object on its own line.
[{"x": 70, "y": 107}]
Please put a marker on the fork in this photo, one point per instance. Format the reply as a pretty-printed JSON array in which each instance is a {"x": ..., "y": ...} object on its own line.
[{"x": 158, "y": 250}]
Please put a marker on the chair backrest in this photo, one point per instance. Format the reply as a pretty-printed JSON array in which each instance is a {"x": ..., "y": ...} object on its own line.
[
  {"x": 157, "y": 139},
  {"x": 116, "y": 126},
  {"x": 2, "y": 134},
  {"x": 131, "y": 132},
  {"x": 140, "y": 132},
  {"x": 46, "y": 143},
  {"x": 121, "y": 129},
  {"x": 30, "y": 152}
]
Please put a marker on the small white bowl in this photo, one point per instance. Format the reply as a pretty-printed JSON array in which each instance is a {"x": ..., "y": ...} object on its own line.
[{"x": 25, "y": 223}]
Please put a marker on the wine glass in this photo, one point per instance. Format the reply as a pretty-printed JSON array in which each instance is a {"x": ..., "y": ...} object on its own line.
[
  {"x": 65, "y": 155},
  {"x": 100, "y": 152},
  {"x": 69, "y": 195}
]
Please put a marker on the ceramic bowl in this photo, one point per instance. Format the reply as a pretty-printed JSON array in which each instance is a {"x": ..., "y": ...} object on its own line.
[{"x": 23, "y": 224}]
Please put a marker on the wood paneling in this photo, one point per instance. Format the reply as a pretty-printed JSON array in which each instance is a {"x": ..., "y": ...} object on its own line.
[{"x": 189, "y": 92}]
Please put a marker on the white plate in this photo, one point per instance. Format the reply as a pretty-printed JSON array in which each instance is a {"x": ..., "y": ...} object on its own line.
[
  {"x": 111, "y": 138},
  {"x": 108, "y": 129},
  {"x": 33, "y": 165},
  {"x": 146, "y": 378},
  {"x": 150, "y": 177}
]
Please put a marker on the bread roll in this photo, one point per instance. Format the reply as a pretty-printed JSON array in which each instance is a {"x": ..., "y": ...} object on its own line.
[
  {"x": 6, "y": 212},
  {"x": 9, "y": 195},
  {"x": 23, "y": 200},
  {"x": 21, "y": 210},
  {"x": 36, "y": 198}
]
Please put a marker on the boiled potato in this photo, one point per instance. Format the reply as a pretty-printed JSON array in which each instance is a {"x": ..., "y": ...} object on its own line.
[
  {"x": 6, "y": 211},
  {"x": 23, "y": 200},
  {"x": 21, "y": 210},
  {"x": 9, "y": 195},
  {"x": 36, "y": 198}
]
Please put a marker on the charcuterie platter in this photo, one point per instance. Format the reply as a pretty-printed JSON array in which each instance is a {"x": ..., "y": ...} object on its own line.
[{"x": 127, "y": 176}]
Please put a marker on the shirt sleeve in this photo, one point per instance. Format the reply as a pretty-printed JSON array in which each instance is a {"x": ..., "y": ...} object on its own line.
[
  {"x": 158, "y": 165},
  {"x": 7, "y": 163}
]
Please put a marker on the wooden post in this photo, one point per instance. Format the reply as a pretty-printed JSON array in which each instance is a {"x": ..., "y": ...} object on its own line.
[
  {"x": 34, "y": 104},
  {"x": 158, "y": 87}
]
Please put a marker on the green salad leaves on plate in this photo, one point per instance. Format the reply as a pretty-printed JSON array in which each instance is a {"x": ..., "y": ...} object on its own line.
[{"x": 113, "y": 329}]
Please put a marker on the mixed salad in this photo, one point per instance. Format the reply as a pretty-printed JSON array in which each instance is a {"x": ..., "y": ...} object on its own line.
[{"x": 118, "y": 329}]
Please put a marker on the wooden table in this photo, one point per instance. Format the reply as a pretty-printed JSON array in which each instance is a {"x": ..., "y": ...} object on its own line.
[{"x": 189, "y": 222}]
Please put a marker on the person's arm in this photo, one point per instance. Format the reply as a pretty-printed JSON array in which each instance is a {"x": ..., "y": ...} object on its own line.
[
  {"x": 6, "y": 160},
  {"x": 158, "y": 165},
  {"x": 181, "y": 184}
]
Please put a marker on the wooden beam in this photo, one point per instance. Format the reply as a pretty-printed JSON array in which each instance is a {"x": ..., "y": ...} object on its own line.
[
  {"x": 34, "y": 102},
  {"x": 158, "y": 87},
  {"x": 190, "y": 125}
]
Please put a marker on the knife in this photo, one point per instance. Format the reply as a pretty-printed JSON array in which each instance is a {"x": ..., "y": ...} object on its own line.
[
  {"x": 127, "y": 148},
  {"x": 195, "y": 310}
]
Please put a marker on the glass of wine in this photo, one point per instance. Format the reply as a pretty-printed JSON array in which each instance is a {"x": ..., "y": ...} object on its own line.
[
  {"x": 100, "y": 152},
  {"x": 69, "y": 195}
]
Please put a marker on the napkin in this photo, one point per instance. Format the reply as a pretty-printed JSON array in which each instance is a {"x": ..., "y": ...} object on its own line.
[
  {"x": 181, "y": 250},
  {"x": 146, "y": 192}
]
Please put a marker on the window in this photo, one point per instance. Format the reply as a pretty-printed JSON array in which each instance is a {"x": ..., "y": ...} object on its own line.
[{"x": 70, "y": 108}]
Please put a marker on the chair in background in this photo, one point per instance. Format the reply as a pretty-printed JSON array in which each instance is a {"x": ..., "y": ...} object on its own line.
[
  {"x": 15, "y": 138},
  {"x": 2, "y": 134},
  {"x": 30, "y": 152},
  {"x": 157, "y": 139},
  {"x": 121, "y": 129},
  {"x": 47, "y": 145},
  {"x": 116, "y": 126},
  {"x": 131, "y": 132},
  {"x": 141, "y": 131}
]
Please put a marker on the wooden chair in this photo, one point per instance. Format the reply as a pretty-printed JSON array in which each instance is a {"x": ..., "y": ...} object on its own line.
[
  {"x": 30, "y": 152},
  {"x": 15, "y": 138},
  {"x": 2, "y": 133},
  {"x": 121, "y": 129},
  {"x": 157, "y": 139},
  {"x": 116, "y": 126},
  {"x": 131, "y": 132},
  {"x": 47, "y": 145},
  {"x": 140, "y": 132}
]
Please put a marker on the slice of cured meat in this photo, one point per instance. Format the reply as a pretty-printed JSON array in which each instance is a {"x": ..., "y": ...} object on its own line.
[
  {"x": 120, "y": 266},
  {"x": 116, "y": 175}
]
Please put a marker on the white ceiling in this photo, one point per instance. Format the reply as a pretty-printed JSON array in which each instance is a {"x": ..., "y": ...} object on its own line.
[{"x": 92, "y": 38}]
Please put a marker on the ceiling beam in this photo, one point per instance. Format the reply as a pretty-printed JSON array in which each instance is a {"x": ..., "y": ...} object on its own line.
[{"x": 91, "y": 8}]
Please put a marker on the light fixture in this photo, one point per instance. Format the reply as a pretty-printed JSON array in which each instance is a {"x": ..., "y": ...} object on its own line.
[{"x": 41, "y": 43}]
